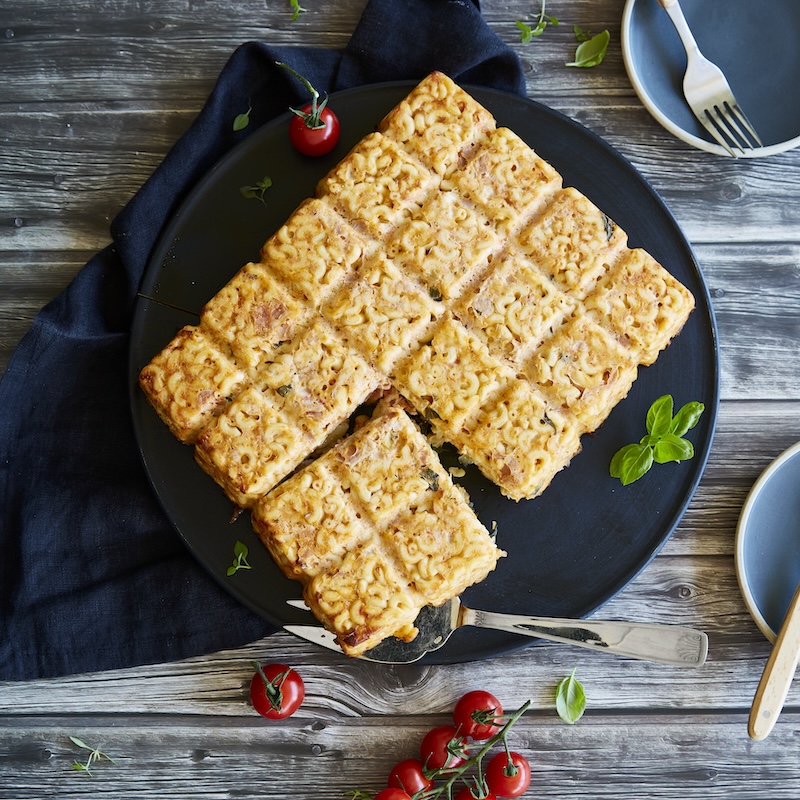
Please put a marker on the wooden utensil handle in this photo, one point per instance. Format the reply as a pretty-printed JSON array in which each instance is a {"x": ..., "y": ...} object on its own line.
[{"x": 778, "y": 673}]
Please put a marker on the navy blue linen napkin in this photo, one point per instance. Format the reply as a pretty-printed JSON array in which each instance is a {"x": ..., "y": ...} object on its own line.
[{"x": 92, "y": 574}]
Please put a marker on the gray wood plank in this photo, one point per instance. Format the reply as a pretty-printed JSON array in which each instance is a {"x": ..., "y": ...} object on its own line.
[{"x": 691, "y": 756}]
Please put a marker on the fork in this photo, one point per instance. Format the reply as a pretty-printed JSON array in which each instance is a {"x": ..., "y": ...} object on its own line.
[{"x": 709, "y": 95}]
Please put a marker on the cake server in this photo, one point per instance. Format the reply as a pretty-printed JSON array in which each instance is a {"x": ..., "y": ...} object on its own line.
[{"x": 664, "y": 644}]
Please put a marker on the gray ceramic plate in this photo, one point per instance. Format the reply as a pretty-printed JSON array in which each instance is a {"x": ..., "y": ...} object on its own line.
[
  {"x": 768, "y": 542},
  {"x": 755, "y": 45}
]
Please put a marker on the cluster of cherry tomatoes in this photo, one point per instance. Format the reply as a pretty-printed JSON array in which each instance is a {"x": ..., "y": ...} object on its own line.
[
  {"x": 448, "y": 752},
  {"x": 450, "y": 755}
]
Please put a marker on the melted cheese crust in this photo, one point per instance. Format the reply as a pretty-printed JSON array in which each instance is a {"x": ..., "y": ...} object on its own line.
[
  {"x": 450, "y": 376},
  {"x": 253, "y": 314},
  {"x": 506, "y": 179},
  {"x": 314, "y": 251},
  {"x": 514, "y": 309},
  {"x": 642, "y": 304},
  {"x": 584, "y": 370},
  {"x": 438, "y": 123},
  {"x": 572, "y": 242},
  {"x": 191, "y": 381}
]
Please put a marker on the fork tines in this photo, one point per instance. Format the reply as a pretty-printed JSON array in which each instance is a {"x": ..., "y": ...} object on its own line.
[{"x": 729, "y": 126}]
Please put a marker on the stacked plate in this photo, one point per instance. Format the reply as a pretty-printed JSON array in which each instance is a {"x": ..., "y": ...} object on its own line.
[{"x": 755, "y": 45}]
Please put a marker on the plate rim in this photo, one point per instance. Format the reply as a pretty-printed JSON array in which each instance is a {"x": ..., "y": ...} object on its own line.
[
  {"x": 701, "y": 457},
  {"x": 741, "y": 535},
  {"x": 665, "y": 121}
]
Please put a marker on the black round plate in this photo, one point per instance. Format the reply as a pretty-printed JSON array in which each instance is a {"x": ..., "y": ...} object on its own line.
[{"x": 570, "y": 550}]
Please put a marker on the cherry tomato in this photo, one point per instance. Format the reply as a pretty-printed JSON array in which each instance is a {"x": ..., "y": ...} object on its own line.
[
  {"x": 508, "y": 780},
  {"x": 442, "y": 747},
  {"x": 466, "y": 793},
  {"x": 313, "y": 141},
  {"x": 392, "y": 793},
  {"x": 276, "y": 690},
  {"x": 478, "y": 715},
  {"x": 408, "y": 775}
]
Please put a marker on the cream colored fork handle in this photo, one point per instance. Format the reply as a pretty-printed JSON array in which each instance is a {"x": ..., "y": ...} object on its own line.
[
  {"x": 777, "y": 678},
  {"x": 679, "y": 21}
]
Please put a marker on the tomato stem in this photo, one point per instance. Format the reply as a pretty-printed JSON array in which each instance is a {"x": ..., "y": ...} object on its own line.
[
  {"x": 453, "y": 773},
  {"x": 312, "y": 117},
  {"x": 272, "y": 687}
]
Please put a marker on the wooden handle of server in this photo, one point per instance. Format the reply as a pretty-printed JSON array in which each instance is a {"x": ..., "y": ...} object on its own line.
[{"x": 778, "y": 673}]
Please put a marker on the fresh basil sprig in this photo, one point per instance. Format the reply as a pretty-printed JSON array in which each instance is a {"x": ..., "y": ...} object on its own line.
[
  {"x": 527, "y": 32},
  {"x": 240, "y": 553},
  {"x": 94, "y": 755},
  {"x": 258, "y": 191},
  {"x": 297, "y": 9},
  {"x": 663, "y": 443},
  {"x": 570, "y": 699},
  {"x": 591, "y": 50}
]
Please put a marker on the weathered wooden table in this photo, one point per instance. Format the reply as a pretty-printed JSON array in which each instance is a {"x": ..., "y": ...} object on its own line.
[{"x": 92, "y": 96}]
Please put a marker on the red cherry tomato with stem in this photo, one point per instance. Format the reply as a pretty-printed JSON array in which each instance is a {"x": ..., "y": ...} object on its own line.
[
  {"x": 478, "y": 715},
  {"x": 508, "y": 774},
  {"x": 315, "y": 129},
  {"x": 318, "y": 140},
  {"x": 392, "y": 793},
  {"x": 409, "y": 776},
  {"x": 443, "y": 747},
  {"x": 276, "y": 690}
]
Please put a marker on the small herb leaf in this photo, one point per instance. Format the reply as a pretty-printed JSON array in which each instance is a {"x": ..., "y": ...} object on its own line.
[
  {"x": 431, "y": 477},
  {"x": 240, "y": 553},
  {"x": 686, "y": 418},
  {"x": 659, "y": 416},
  {"x": 591, "y": 52},
  {"x": 672, "y": 448},
  {"x": 570, "y": 699},
  {"x": 631, "y": 462},
  {"x": 527, "y": 32},
  {"x": 257, "y": 191},
  {"x": 95, "y": 754},
  {"x": 242, "y": 120},
  {"x": 297, "y": 9}
]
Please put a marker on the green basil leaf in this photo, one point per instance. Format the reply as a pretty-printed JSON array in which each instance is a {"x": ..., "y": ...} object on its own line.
[
  {"x": 631, "y": 462},
  {"x": 570, "y": 699},
  {"x": 672, "y": 448},
  {"x": 526, "y": 32},
  {"x": 686, "y": 418},
  {"x": 297, "y": 9},
  {"x": 591, "y": 52},
  {"x": 242, "y": 120},
  {"x": 659, "y": 416},
  {"x": 580, "y": 34}
]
